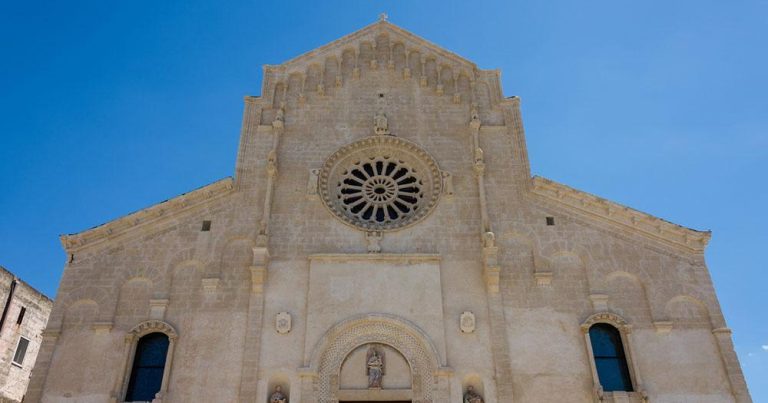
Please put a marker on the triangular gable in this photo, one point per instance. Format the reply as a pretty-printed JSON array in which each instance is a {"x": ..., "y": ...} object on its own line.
[{"x": 370, "y": 33}]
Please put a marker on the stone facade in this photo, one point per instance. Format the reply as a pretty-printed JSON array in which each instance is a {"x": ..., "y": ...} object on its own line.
[
  {"x": 441, "y": 250},
  {"x": 25, "y": 314}
]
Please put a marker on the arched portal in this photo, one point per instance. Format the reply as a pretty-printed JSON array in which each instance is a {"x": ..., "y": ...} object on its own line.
[{"x": 373, "y": 329}]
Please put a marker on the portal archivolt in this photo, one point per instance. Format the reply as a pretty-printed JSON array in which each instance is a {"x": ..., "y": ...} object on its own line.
[{"x": 387, "y": 330}]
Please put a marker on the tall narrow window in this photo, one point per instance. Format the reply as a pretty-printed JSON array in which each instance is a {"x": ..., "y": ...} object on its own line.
[
  {"x": 610, "y": 360},
  {"x": 21, "y": 351},
  {"x": 21, "y": 315},
  {"x": 148, "y": 366}
]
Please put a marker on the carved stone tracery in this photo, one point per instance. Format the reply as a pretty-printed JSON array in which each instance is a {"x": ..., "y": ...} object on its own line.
[{"x": 380, "y": 183}]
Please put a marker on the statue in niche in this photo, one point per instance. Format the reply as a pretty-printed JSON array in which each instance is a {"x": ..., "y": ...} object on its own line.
[
  {"x": 374, "y": 367},
  {"x": 489, "y": 239},
  {"x": 280, "y": 115},
  {"x": 278, "y": 396},
  {"x": 380, "y": 124},
  {"x": 279, "y": 121},
  {"x": 471, "y": 396},
  {"x": 474, "y": 118},
  {"x": 474, "y": 115}
]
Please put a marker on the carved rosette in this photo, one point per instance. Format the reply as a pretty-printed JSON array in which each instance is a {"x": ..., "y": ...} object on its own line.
[
  {"x": 467, "y": 322},
  {"x": 380, "y": 183},
  {"x": 283, "y": 322}
]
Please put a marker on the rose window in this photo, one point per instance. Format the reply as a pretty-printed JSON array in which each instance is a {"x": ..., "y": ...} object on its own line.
[
  {"x": 380, "y": 191},
  {"x": 380, "y": 183}
]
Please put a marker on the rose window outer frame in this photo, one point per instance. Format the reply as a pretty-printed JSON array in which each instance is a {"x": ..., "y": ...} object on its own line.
[{"x": 385, "y": 189}]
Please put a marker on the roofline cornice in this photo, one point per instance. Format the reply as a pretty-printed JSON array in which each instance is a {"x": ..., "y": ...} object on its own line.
[
  {"x": 379, "y": 26},
  {"x": 654, "y": 228},
  {"x": 139, "y": 219}
]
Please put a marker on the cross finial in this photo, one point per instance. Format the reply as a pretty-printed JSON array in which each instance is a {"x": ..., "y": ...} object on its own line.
[{"x": 383, "y": 17}]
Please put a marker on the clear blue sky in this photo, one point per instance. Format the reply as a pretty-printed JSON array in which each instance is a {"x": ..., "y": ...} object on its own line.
[{"x": 110, "y": 107}]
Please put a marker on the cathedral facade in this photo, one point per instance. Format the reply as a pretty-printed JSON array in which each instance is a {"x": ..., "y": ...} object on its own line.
[{"x": 382, "y": 239}]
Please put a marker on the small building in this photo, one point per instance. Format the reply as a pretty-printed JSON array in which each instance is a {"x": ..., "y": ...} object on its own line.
[{"x": 24, "y": 315}]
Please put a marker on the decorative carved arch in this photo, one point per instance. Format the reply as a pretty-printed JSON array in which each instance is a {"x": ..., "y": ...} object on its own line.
[
  {"x": 606, "y": 317},
  {"x": 131, "y": 341},
  {"x": 625, "y": 330},
  {"x": 153, "y": 326},
  {"x": 398, "y": 333}
]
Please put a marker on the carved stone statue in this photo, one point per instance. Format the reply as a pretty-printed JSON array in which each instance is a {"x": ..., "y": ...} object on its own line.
[
  {"x": 474, "y": 118},
  {"x": 279, "y": 121},
  {"x": 280, "y": 115},
  {"x": 474, "y": 115},
  {"x": 479, "y": 158},
  {"x": 374, "y": 368},
  {"x": 489, "y": 239},
  {"x": 278, "y": 396},
  {"x": 314, "y": 177},
  {"x": 447, "y": 183},
  {"x": 380, "y": 124},
  {"x": 472, "y": 397},
  {"x": 272, "y": 163}
]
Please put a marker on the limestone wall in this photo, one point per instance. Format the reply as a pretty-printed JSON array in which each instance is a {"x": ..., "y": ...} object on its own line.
[
  {"x": 14, "y": 377},
  {"x": 529, "y": 285}
]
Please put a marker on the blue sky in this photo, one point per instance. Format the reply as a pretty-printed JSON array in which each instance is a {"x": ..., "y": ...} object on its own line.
[{"x": 109, "y": 107}]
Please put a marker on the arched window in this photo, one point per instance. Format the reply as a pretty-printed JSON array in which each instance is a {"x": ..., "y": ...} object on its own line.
[
  {"x": 148, "y": 368},
  {"x": 610, "y": 359},
  {"x": 147, "y": 362}
]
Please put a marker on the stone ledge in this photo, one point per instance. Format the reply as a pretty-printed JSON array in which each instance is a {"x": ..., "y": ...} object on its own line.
[
  {"x": 373, "y": 395},
  {"x": 381, "y": 257}
]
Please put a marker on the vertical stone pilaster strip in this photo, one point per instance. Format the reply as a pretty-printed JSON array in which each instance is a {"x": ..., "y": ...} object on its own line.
[
  {"x": 731, "y": 365},
  {"x": 492, "y": 273},
  {"x": 308, "y": 380},
  {"x": 500, "y": 348},
  {"x": 249, "y": 375},
  {"x": 443, "y": 385},
  {"x": 277, "y": 131}
]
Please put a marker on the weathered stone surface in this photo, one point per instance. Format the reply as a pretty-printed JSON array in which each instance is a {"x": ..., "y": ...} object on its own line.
[
  {"x": 484, "y": 246},
  {"x": 14, "y": 376}
]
